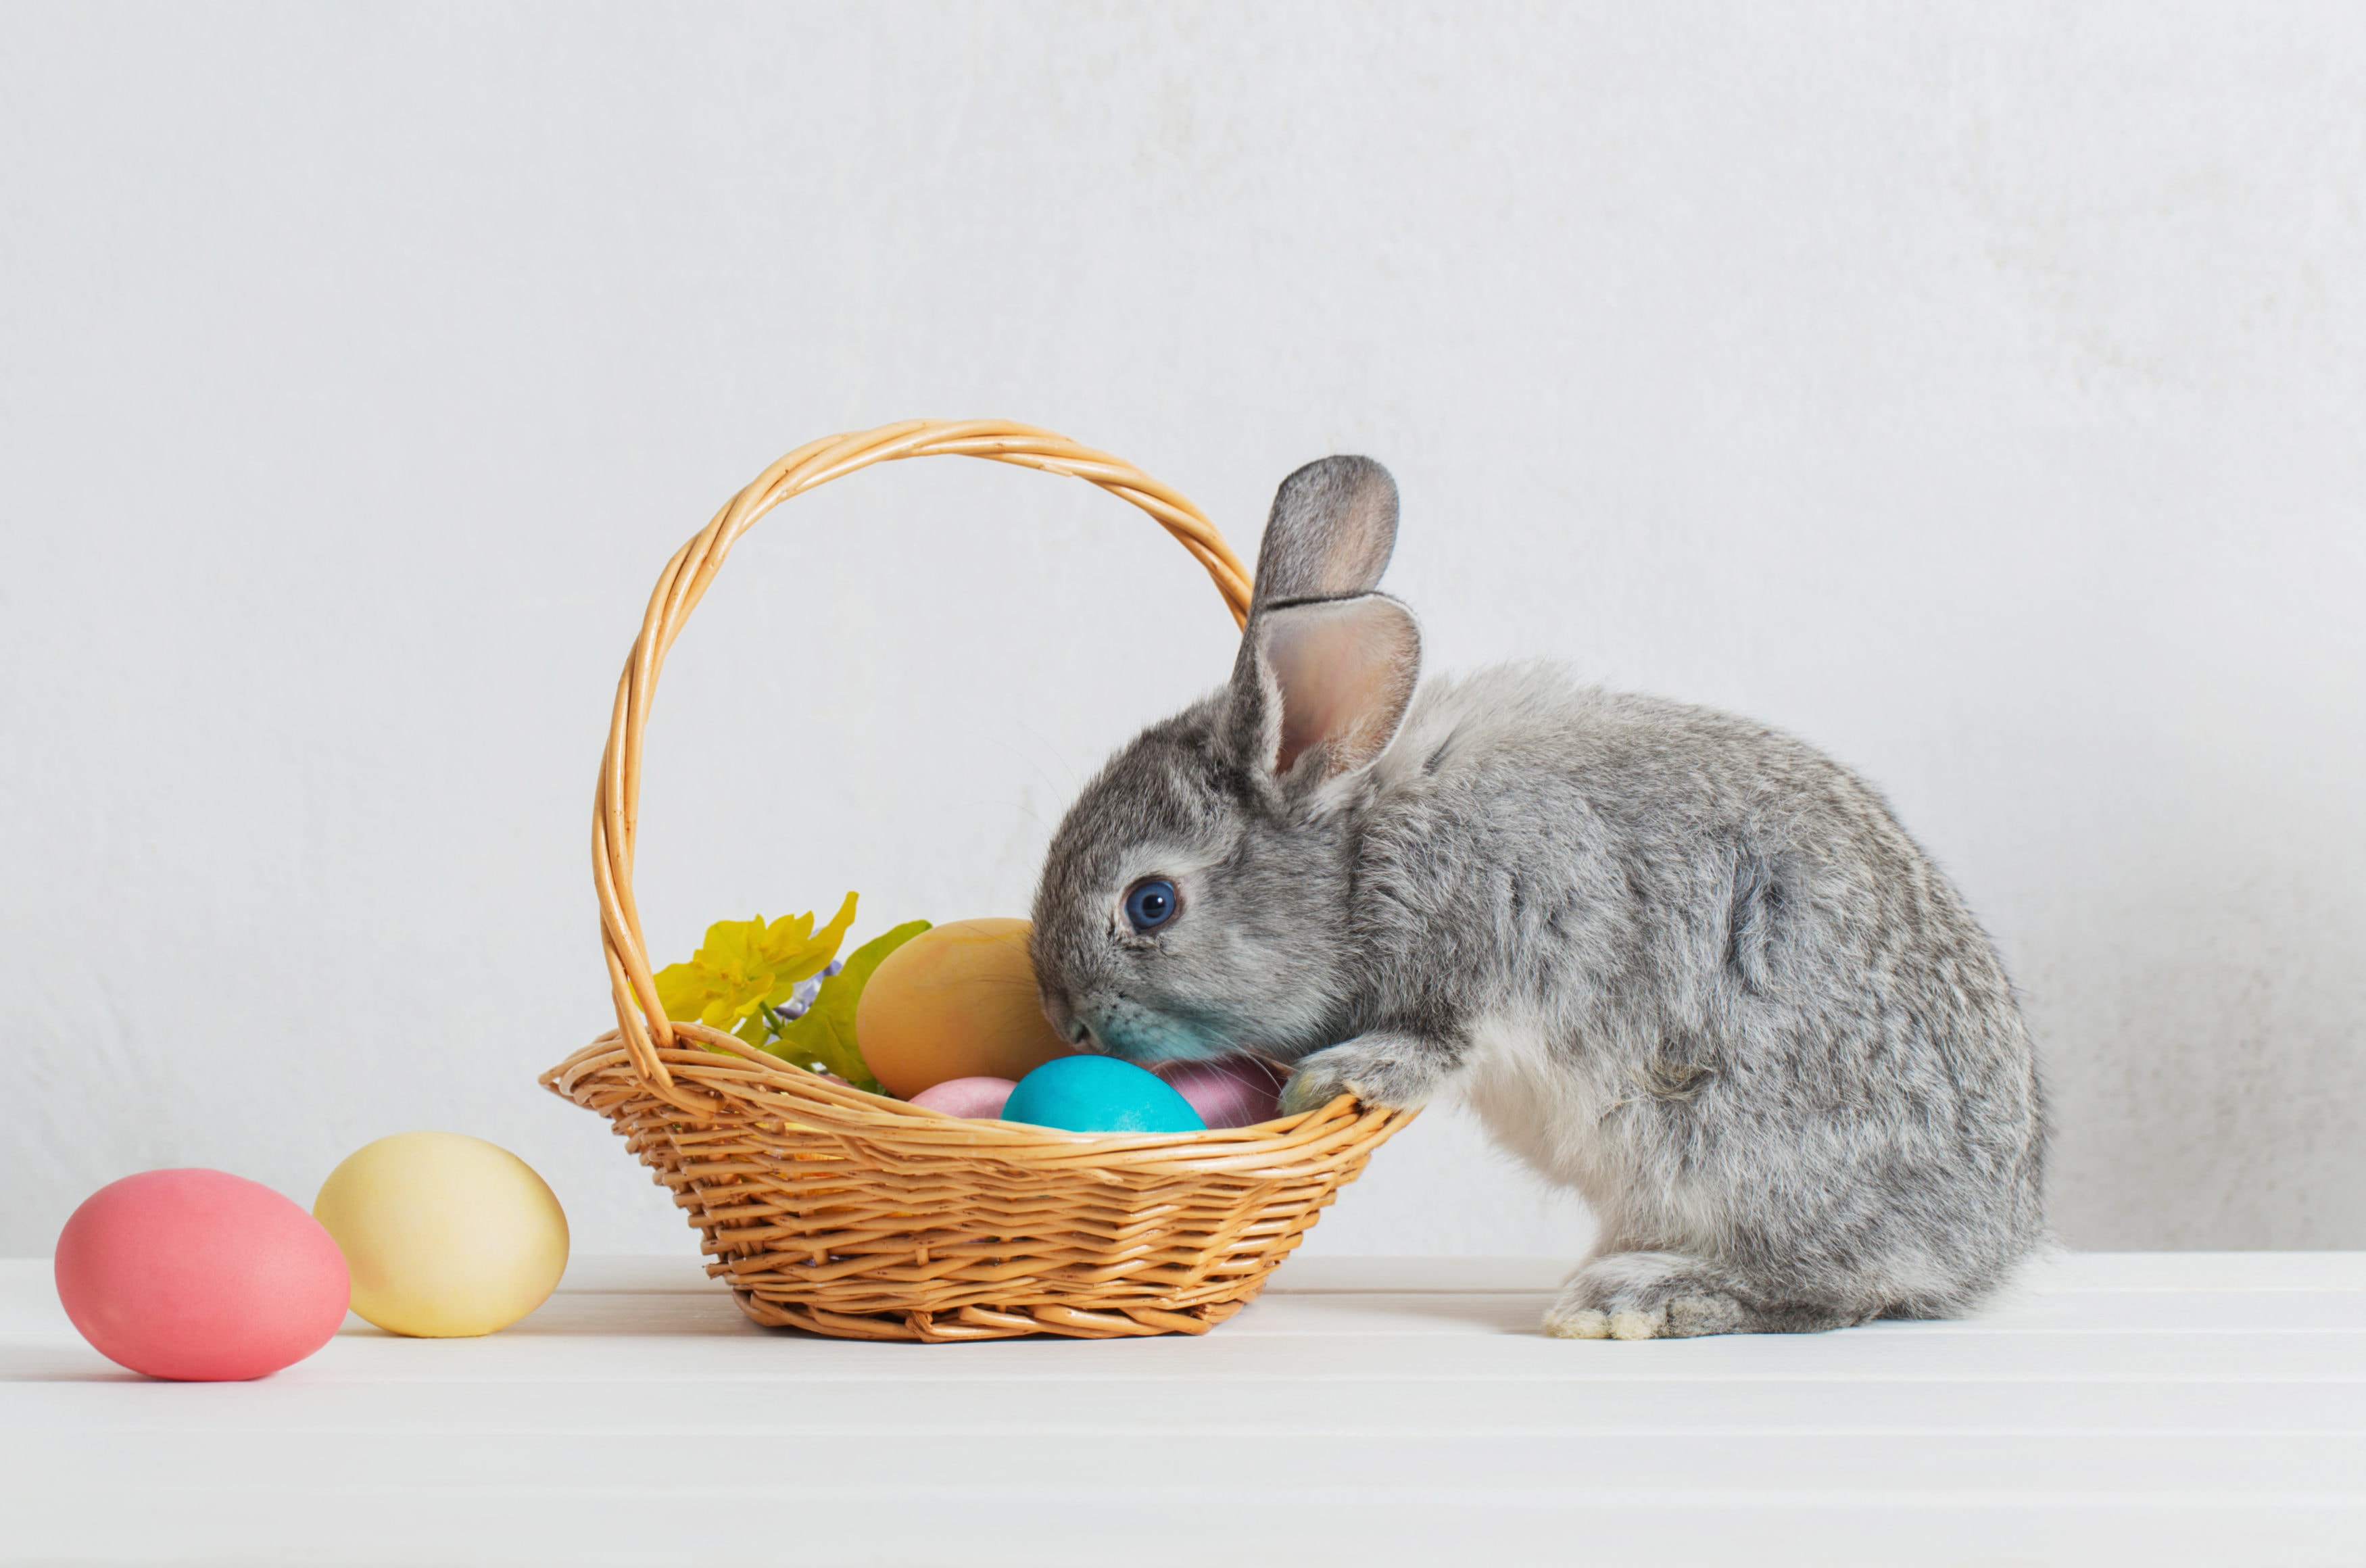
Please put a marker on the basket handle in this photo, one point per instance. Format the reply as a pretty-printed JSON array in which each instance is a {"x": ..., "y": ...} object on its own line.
[{"x": 616, "y": 811}]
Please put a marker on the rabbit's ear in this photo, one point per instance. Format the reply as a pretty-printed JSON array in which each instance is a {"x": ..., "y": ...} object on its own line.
[
  {"x": 1321, "y": 687},
  {"x": 1333, "y": 525}
]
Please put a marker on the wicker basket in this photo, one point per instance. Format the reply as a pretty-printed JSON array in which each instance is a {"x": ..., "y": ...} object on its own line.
[{"x": 849, "y": 1213}]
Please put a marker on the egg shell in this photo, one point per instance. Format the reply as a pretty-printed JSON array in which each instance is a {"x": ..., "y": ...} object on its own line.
[
  {"x": 447, "y": 1236},
  {"x": 957, "y": 1000},
  {"x": 980, "y": 1097},
  {"x": 199, "y": 1276},
  {"x": 1227, "y": 1091},
  {"x": 1099, "y": 1094}
]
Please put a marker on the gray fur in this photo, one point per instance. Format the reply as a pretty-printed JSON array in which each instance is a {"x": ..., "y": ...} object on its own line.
[
  {"x": 1333, "y": 527},
  {"x": 1675, "y": 959}
]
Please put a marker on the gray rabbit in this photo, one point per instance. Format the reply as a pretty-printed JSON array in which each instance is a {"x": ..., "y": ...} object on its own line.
[{"x": 1675, "y": 959}]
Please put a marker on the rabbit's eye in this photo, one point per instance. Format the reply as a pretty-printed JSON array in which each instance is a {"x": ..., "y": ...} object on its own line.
[{"x": 1151, "y": 904}]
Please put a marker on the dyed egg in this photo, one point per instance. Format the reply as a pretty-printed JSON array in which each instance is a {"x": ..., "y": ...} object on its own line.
[
  {"x": 957, "y": 1000},
  {"x": 1227, "y": 1091},
  {"x": 1099, "y": 1094},
  {"x": 199, "y": 1276},
  {"x": 979, "y": 1097},
  {"x": 447, "y": 1236}
]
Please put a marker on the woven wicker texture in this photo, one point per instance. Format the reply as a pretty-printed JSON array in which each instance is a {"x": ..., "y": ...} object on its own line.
[{"x": 849, "y": 1213}]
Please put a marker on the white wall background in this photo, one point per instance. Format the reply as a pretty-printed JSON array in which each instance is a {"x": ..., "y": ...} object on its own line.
[{"x": 1979, "y": 390}]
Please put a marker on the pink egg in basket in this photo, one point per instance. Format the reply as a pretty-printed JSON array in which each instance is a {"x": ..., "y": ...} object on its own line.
[
  {"x": 1227, "y": 1091},
  {"x": 980, "y": 1097}
]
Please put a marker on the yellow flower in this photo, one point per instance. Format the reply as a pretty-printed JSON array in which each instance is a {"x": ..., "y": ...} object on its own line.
[{"x": 747, "y": 965}]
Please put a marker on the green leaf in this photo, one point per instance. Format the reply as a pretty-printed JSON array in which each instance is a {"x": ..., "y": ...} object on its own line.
[{"x": 825, "y": 1033}]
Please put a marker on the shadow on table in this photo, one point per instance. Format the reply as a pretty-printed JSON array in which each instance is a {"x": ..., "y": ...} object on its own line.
[
  {"x": 64, "y": 1364},
  {"x": 1398, "y": 1312}
]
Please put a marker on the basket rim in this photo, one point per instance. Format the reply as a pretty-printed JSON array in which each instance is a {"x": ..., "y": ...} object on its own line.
[{"x": 731, "y": 1069}]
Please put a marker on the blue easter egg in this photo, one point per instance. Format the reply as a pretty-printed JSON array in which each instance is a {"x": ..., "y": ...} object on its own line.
[{"x": 1099, "y": 1094}]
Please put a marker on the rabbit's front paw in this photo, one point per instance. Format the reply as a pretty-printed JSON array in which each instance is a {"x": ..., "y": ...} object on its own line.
[{"x": 1383, "y": 1068}]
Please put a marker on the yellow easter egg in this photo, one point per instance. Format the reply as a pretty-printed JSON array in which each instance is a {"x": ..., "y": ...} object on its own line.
[
  {"x": 445, "y": 1236},
  {"x": 957, "y": 1000}
]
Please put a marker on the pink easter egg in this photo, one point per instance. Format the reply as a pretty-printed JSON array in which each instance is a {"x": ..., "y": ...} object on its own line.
[
  {"x": 980, "y": 1097},
  {"x": 1227, "y": 1091},
  {"x": 199, "y": 1276}
]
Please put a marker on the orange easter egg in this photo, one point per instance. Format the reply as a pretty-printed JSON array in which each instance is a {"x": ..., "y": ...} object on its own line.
[{"x": 957, "y": 1000}]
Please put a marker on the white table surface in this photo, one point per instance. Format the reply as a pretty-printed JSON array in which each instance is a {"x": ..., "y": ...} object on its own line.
[{"x": 2141, "y": 1408}]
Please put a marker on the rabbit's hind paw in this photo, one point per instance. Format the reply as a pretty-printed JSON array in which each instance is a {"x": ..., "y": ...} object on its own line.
[
  {"x": 1586, "y": 1323},
  {"x": 1643, "y": 1295}
]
